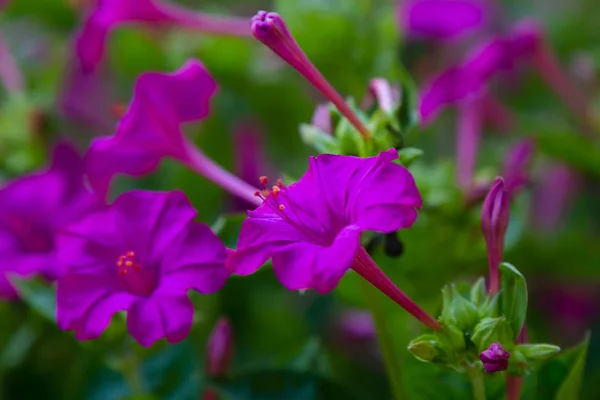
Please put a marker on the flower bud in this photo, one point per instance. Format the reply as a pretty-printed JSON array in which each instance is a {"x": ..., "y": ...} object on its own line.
[
  {"x": 495, "y": 358},
  {"x": 425, "y": 347},
  {"x": 219, "y": 349},
  {"x": 494, "y": 223},
  {"x": 457, "y": 310},
  {"x": 491, "y": 330}
]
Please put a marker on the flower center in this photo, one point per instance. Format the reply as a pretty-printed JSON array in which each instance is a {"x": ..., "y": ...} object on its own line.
[
  {"x": 127, "y": 263},
  {"x": 291, "y": 212},
  {"x": 133, "y": 277}
]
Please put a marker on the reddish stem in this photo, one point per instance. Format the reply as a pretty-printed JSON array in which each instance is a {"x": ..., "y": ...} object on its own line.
[{"x": 370, "y": 271}]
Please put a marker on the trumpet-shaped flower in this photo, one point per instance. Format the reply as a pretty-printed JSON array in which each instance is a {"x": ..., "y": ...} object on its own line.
[
  {"x": 151, "y": 130},
  {"x": 108, "y": 14},
  {"x": 32, "y": 209},
  {"x": 311, "y": 229},
  {"x": 141, "y": 255}
]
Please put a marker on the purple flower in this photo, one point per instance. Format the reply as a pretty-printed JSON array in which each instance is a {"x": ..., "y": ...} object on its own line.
[
  {"x": 108, "y": 14},
  {"x": 271, "y": 30},
  {"x": 219, "y": 349},
  {"x": 553, "y": 196},
  {"x": 357, "y": 325},
  {"x": 495, "y": 358},
  {"x": 32, "y": 209},
  {"x": 516, "y": 165},
  {"x": 311, "y": 229},
  {"x": 467, "y": 141},
  {"x": 151, "y": 130},
  {"x": 386, "y": 95},
  {"x": 141, "y": 255},
  {"x": 494, "y": 223},
  {"x": 322, "y": 118},
  {"x": 441, "y": 19},
  {"x": 470, "y": 78}
]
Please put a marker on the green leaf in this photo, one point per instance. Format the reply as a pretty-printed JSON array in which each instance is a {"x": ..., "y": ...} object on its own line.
[
  {"x": 490, "y": 330},
  {"x": 560, "y": 377},
  {"x": 319, "y": 140},
  {"x": 408, "y": 155},
  {"x": 478, "y": 293},
  {"x": 283, "y": 384},
  {"x": 571, "y": 385},
  {"x": 40, "y": 297},
  {"x": 513, "y": 297},
  {"x": 457, "y": 310},
  {"x": 227, "y": 227},
  {"x": 540, "y": 351}
]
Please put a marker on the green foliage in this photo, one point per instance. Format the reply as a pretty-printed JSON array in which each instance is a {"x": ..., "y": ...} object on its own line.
[{"x": 513, "y": 297}]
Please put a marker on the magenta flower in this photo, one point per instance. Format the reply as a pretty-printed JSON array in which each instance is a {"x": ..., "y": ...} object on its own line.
[
  {"x": 311, "y": 229},
  {"x": 495, "y": 215},
  {"x": 495, "y": 358},
  {"x": 219, "y": 349},
  {"x": 91, "y": 40},
  {"x": 271, "y": 30},
  {"x": 151, "y": 130},
  {"x": 385, "y": 95},
  {"x": 553, "y": 196},
  {"x": 322, "y": 118},
  {"x": 441, "y": 19},
  {"x": 141, "y": 255},
  {"x": 471, "y": 77},
  {"x": 32, "y": 209}
]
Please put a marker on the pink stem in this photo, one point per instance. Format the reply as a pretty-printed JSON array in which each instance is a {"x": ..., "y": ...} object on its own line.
[
  {"x": 467, "y": 141},
  {"x": 549, "y": 68},
  {"x": 203, "y": 22},
  {"x": 370, "y": 271},
  {"x": 9, "y": 70},
  {"x": 206, "y": 167},
  {"x": 496, "y": 114},
  {"x": 515, "y": 383}
]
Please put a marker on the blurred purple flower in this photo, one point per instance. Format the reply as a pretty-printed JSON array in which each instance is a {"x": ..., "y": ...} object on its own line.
[
  {"x": 141, "y": 255},
  {"x": 33, "y": 209},
  {"x": 86, "y": 99},
  {"x": 108, "y": 14},
  {"x": 311, "y": 229},
  {"x": 151, "y": 130},
  {"x": 515, "y": 171},
  {"x": 470, "y": 121},
  {"x": 272, "y": 31},
  {"x": 470, "y": 78},
  {"x": 495, "y": 358},
  {"x": 495, "y": 215},
  {"x": 441, "y": 19},
  {"x": 386, "y": 96},
  {"x": 10, "y": 74},
  {"x": 322, "y": 118},
  {"x": 357, "y": 325},
  {"x": 249, "y": 158},
  {"x": 552, "y": 196},
  {"x": 219, "y": 349}
]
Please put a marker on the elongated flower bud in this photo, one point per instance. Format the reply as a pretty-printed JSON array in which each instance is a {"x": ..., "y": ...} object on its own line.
[
  {"x": 494, "y": 223},
  {"x": 271, "y": 30},
  {"x": 219, "y": 349}
]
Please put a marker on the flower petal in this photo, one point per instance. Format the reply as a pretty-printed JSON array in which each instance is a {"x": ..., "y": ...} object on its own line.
[
  {"x": 197, "y": 262},
  {"x": 151, "y": 319},
  {"x": 150, "y": 221},
  {"x": 97, "y": 317},
  {"x": 308, "y": 266}
]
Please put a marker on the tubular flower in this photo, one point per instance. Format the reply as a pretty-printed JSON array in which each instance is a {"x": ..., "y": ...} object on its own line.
[
  {"x": 311, "y": 229},
  {"x": 495, "y": 358},
  {"x": 141, "y": 255},
  {"x": 33, "y": 208},
  {"x": 91, "y": 40},
  {"x": 495, "y": 215},
  {"x": 271, "y": 30},
  {"x": 151, "y": 130}
]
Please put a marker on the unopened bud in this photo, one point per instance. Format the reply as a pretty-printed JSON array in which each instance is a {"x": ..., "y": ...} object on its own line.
[
  {"x": 494, "y": 223},
  {"x": 219, "y": 349},
  {"x": 495, "y": 358}
]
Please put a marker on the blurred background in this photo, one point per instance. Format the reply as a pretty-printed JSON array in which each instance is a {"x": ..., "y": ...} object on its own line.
[{"x": 285, "y": 342}]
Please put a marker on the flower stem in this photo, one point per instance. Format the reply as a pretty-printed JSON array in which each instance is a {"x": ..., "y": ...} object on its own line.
[
  {"x": 384, "y": 339},
  {"x": 369, "y": 270},
  {"x": 208, "y": 23},
  {"x": 549, "y": 68},
  {"x": 206, "y": 167},
  {"x": 476, "y": 377},
  {"x": 10, "y": 75},
  {"x": 467, "y": 142}
]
